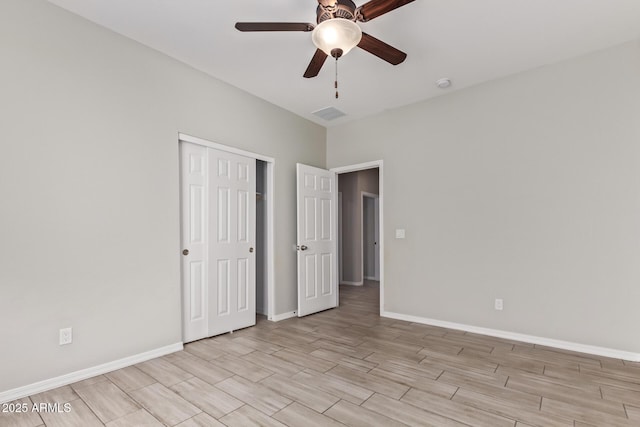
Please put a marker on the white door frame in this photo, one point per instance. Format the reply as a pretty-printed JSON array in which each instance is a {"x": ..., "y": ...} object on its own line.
[
  {"x": 363, "y": 166},
  {"x": 270, "y": 237},
  {"x": 363, "y": 195}
]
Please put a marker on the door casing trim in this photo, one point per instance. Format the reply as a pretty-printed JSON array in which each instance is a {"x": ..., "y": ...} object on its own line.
[{"x": 363, "y": 166}]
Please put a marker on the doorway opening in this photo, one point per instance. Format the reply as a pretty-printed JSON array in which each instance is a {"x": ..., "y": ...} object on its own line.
[{"x": 361, "y": 226}]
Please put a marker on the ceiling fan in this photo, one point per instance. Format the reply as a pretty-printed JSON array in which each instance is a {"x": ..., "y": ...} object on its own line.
[{"x": 337, "y": 31}]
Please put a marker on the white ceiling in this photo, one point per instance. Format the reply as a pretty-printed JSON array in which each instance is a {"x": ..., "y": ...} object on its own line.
[{"x": 469, "y": 41}]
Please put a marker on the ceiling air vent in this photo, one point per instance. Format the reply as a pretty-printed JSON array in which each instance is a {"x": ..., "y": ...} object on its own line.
[{"x": 329, "y": 113}]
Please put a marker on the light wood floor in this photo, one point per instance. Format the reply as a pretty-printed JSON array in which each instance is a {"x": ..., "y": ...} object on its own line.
[{"x": 348, "y": 366}]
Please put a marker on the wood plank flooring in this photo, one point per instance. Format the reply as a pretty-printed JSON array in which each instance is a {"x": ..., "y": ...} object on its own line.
[{"x": 349, "y": 366}]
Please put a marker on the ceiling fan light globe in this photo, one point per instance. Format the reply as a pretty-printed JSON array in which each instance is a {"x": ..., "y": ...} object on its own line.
[
  {"x": 330, "y": 36},
  {"x": 336, "y": 33}
]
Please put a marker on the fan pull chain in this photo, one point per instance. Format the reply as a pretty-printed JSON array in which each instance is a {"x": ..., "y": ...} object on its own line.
[{"x": 336, "y": 84}]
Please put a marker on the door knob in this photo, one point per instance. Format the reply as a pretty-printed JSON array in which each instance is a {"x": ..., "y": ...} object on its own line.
[
  {"x": 251, "y": 250},
  {"x": 185, "y": 252},
  {"x": 303, "y": 248}
]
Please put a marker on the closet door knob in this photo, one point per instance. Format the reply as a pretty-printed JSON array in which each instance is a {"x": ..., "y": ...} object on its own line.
[
  {"x": 251, "y": 250},
  {"x": 185, "y": 252}
]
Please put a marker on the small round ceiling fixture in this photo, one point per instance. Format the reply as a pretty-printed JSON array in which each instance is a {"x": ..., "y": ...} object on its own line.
[{"x": 443, "y": 83}]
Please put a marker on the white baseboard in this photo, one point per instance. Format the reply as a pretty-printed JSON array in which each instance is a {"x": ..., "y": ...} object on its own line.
[
  {"x": 283, "y": 316},
  {"x": 375, "y": 279},
  {"x": 83, "y": 374},
  {"x": 531, "y": 339},
  {"x": 346, "y": 282}
]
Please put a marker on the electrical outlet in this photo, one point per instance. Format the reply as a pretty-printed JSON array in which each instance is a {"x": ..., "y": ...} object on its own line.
[
  {"x": 498, "y": 304},
  {"x": 66, "y": 336}
]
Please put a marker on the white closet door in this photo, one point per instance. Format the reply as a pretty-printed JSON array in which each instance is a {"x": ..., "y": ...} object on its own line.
[
  {"x": 194, "y": 192},
  {"x": 317, "y": 240},
  {"x": 232, "y": 183}
]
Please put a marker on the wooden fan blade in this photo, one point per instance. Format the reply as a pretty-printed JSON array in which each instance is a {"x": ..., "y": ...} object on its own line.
[
  {"x": 381, "y": 49},
  {"x": 375, "y": 8},
  {"x": 316, "y": 64},
  {"x": 274, "y": 26}
]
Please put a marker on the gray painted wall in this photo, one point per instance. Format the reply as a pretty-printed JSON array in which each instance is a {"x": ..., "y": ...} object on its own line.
[
  {"x": 89, "y": 214},
  {"x": 351, "y": 185},
  {"x": 526, "y": 188}
]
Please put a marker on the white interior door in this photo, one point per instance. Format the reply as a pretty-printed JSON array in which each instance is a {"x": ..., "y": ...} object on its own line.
[
  {"x": 317, "y": 239},
  {"x": 218, "y": 241},
  {"x": 194, "y": 236},
  {"x": 232, "y": 260}
]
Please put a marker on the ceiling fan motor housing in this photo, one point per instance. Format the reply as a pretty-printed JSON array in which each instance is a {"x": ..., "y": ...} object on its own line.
[{"x": 344, "y": 9}]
